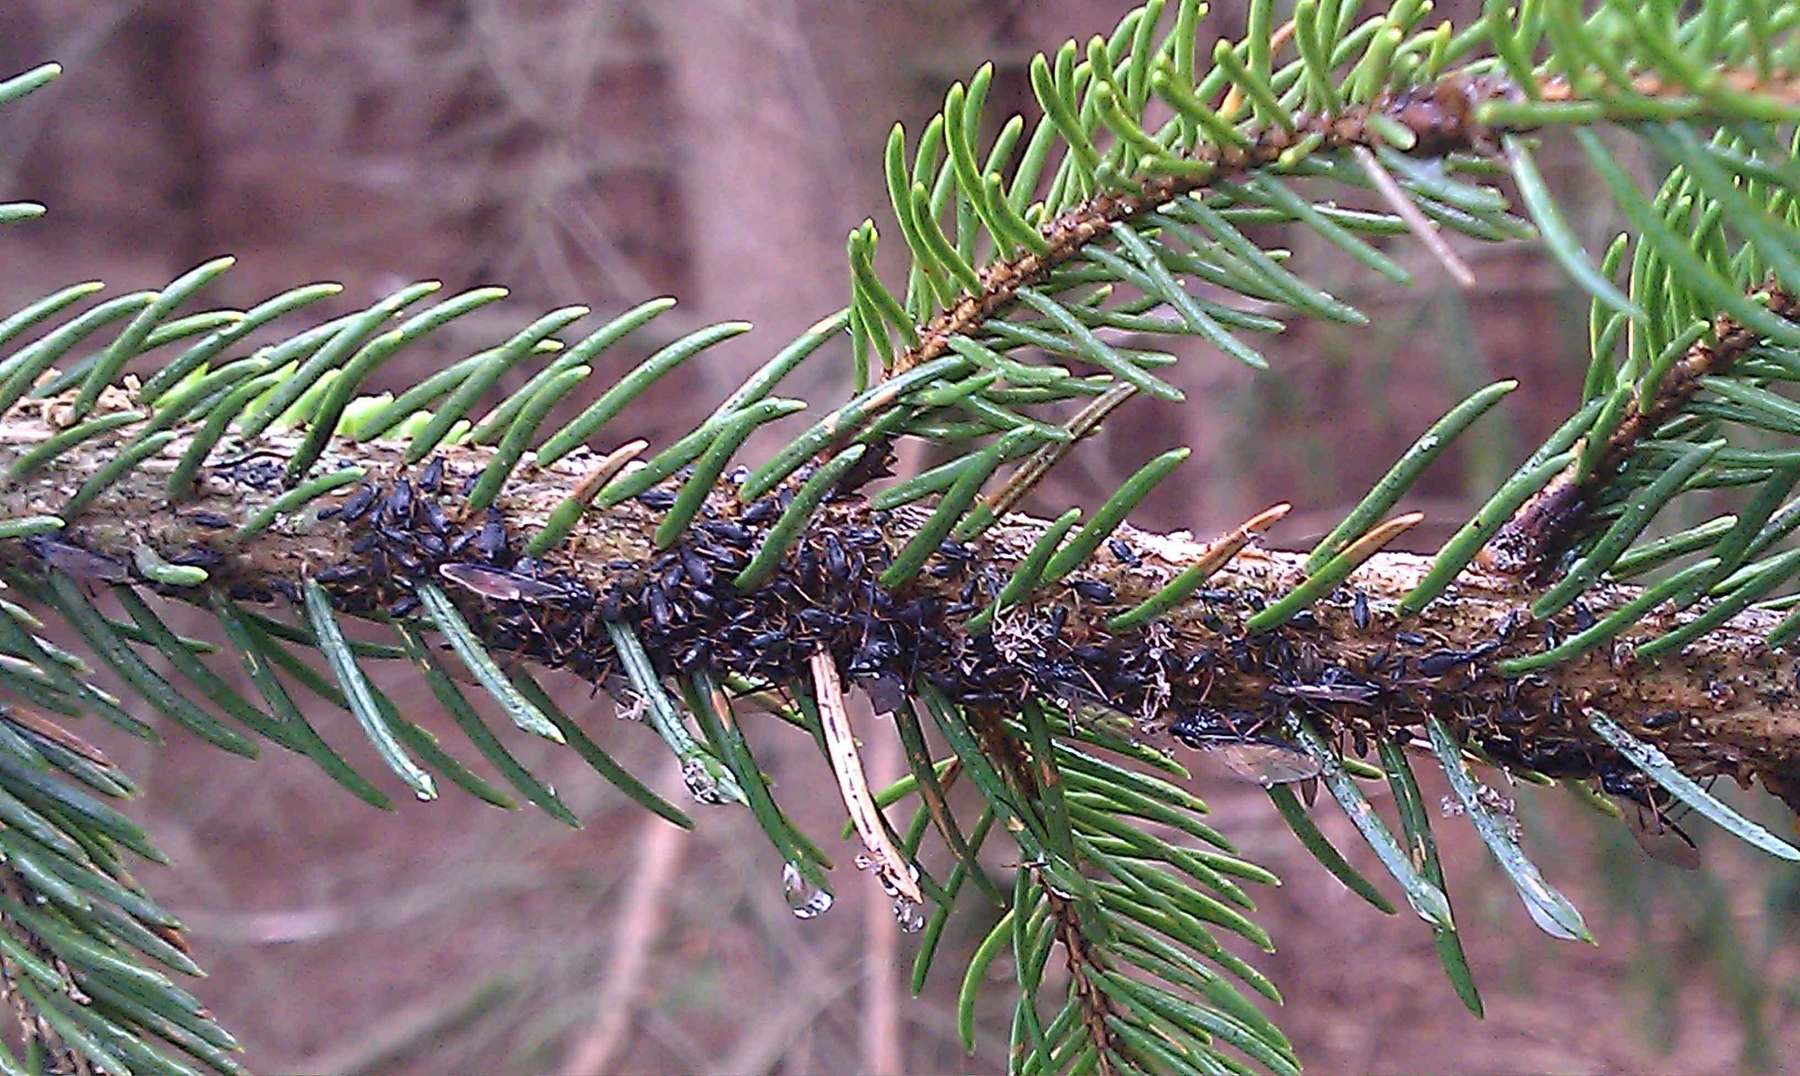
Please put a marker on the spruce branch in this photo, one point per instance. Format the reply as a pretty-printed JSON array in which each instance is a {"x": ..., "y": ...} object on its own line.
[
  {"x": 1439, "y": 119},
  {"x": 610, "y": 557},
  {"x": 1543, "y": 526},
  {"x": 1041, "y": 651},
  {"x": 1429, "y": 120}
]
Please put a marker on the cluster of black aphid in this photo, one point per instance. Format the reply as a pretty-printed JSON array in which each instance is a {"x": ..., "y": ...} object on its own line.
[
  {"x": 1230, "y": 686},
  {"x": 682, "y": 601},
  {"x": 826, "y": 595}
]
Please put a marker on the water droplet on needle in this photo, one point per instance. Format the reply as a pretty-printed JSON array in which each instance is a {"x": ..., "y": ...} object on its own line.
[{"x": 805, "y": 899}]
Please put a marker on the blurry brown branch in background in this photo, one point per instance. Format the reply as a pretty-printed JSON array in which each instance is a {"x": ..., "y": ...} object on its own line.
[{"x": 656, "y": 861}]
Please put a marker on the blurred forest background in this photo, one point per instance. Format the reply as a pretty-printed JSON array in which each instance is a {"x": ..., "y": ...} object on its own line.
[{"x": 607, "y": 151}]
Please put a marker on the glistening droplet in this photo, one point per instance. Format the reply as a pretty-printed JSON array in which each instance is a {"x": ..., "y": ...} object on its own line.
[
  {"x": 805, "y": 899},
  {"x": 909, "y": 914}
]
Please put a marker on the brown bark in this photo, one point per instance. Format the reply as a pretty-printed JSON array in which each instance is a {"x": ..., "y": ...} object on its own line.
[{"x": 1735, "y": 698}]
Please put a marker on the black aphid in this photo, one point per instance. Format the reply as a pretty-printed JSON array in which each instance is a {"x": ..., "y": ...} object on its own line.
[
  {"x": 198, "y": 556},
  {"x": 257, "y": 473},
  {"x": 341, "y": 573},
  {"x": 696, "y": 568},
  {"x": 394, "y": 536},
  {"x": 357, "y": 504},
  {"x": 1440, "y": 662},
  {"x": 955, "y": 552},
  {"x": 1262, "y": 759},
  {"x": 814, "y": 617},
  {"x": 718, "y": 554},
  {"x": 1558, "y": 759},
  {"x": 215, "y": 521},
  {"x": 658, "y": 603},
  {"x": 726, "y": 531},
  {"x": 433, "y": 475},
  {"x": 1093, "y": 590},
  {"x": 1359, "y": 611},
  {"x": 658, "y": 499},
  {"x": 1483, "y": 650},
  {"x": 1410, "y": 638},
  {"x": 837, "y": 564},
  {"x": 1649, "y": 820},
  {"x": 490, "y": 543},
  {"x": 1121, "y": 549},
  {"x": 398, "y": 508},
  {"x": 1092, "y": 655}
]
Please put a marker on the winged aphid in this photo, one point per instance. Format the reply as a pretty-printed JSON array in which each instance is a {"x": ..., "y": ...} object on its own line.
[
  {"x": 1649, "y": 818},
  {"x": 82, "y": 563},
  {"x": 1263, "y": 759},
  {"x": 497, "y": 584}
]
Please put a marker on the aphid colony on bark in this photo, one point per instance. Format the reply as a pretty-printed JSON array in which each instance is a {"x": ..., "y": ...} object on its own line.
[
  {"x": 826, "y": 596},
  {"x": 1217, "y": 687}
]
